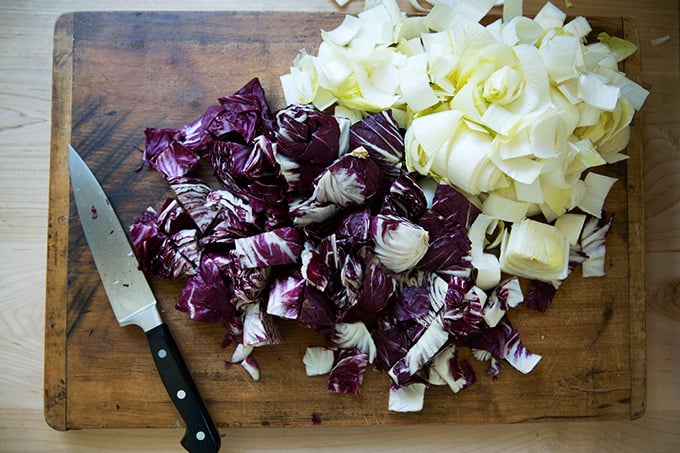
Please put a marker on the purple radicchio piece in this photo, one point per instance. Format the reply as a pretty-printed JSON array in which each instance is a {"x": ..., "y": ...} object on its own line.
[
  {"x": 446, "y": 368},
  {"x": 348, "y": 371},
  {"x": 166, "y": 256},
  {"x": 356, "y": 226},
  {"x": 164, "y": 153},
  {"x": 192, "y": 193},
  {"x": 421, "y": 352},
  {"x": 248, "y": 284},
  {"x": 235, "y": 212},
  {"x": 272, "y": 248},
  {"x": 378, "y": 286},
  {"x": 506, "y": 295},
  {"x": 313, "y": 269},
  {"x": 399, "y": 243},
  {"x": 406, "y": 198},
  {"x": 259, "y": 328},
  {"x": 238, "y": 163},
  {"x": 540, "y": 295},
  {"x": 592, "y": 242},
  {"x": 308, "y": 135},
  {"x": 411, "y": 302},
  {"x": 266, "y": 196},
  {"x": 351, "y": 278},
  {"x": 347, "y": 335},
  {"x": 317, "y": 310},
  {"x": 351, "y": 181},
  {"x": 391, "y": 344},
  {"x": 380, "y": 135},
  {"x": 463, "y": 308},
  {"x": 453, "y": 207},
  {"x": 173, "y": 218},
  {"x": 196, "y": 135},
  {"x": 449, "y": 252},
  {"x": 244, "y": 114},
  {"x": 502, "y": 342},
  {"x": 285, "y": 294},
  {"x": 206, "y": 297}
]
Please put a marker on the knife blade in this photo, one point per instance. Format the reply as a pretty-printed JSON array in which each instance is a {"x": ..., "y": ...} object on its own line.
[{"x": 133, "y": 303}]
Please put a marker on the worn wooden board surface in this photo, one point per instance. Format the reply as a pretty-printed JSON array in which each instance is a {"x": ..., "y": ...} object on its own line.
[{"x": 118, "y": 73}]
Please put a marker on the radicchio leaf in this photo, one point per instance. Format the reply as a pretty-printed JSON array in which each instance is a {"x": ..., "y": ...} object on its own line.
[
  {"x": 463, "y": 309},
  {"x": 272, "y": 248},
  {"x": 307, "y": 134},
  {"x": 205, "y": 296},
  {"x": 348, "y": 371},
  {"x": 506, "y": 295},
  {"x": 406, "y": 198},
  {"x": 259, "y": 328},
  {"x": 192, "y": 193},
  {"x": 421, "y": 352},
  {"x": 378, "y": 286},
  {"x": 248, "y": 284},
  {"x": 412, "y": 302},
  {"x": 317, "y": 309},
  {"x": 354, "y": 335},
  {"x": 502, "y": 342},
  {"x": 245, "y": 113},
  {"x": 399, "y": 243},
  {"x": 380, "y": 135},
  {"x": 164, "y": 153},
  {"x": 453, "y": 207},
  {"x": 159, "y": 253},
  {"x": 285, "y": 294},
  {"x": 351, "y": 181},
  {"x": 540, "y": 295},
  {"x": 391, "y": 345}
]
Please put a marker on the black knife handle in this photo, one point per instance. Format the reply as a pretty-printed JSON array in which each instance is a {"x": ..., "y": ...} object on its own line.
[{"x": 201, "y": 435}]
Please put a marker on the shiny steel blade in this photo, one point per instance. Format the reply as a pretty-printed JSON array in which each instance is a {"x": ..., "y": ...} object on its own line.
[{"x": 129, "y": 293}]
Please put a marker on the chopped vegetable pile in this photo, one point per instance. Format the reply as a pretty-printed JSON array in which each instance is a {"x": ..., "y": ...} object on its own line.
[{"x": 456, "y": 162}]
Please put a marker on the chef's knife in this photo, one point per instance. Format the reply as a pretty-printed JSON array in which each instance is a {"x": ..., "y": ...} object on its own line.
[{"x": 133, "y": 302}]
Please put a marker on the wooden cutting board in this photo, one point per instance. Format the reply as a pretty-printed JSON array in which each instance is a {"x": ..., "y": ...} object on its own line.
[{"x": 116, "y": 74}]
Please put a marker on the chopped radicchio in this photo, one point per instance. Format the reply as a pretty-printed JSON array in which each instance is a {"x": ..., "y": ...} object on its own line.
[
  {"x": 378, "y": 287},
  {"x": 352, "y": 180},
  {"x": 280, "y": 246},
  {"x": 308, "y": 134},
  {"x": 406, "y": 198},
  {"x": 285, "y": 294},
  {"x": 345, "y": 243},
  {"x": 206, "y": 297},
  {"x": 192, "y": 194},
  {"x": 168, "y": 253},
  {"x": 258, "y": 327},
  {"x": 453, "y": 207},
  {"x": 399, "y": 243},
  {"x": 348, "y": 371},
  {"x": 165, "y": 153},
  {"x": 380, "y": 135}
]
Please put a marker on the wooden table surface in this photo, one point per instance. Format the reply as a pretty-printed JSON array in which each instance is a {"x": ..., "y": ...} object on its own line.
[{"x": 26, "y": 33}]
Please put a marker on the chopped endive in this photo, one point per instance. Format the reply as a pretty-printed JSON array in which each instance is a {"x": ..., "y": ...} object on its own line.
[
  {"x": 535, "y": 250},
  {"x": 504, "y": 209},
  {"x": 415, "y": 83},
  {"x": 598, "y": 187},
  {"x": 571, "y": 225},
  {"x": 621, "y": 48}
]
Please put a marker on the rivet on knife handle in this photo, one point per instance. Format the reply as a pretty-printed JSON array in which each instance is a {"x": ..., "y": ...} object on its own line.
[{"x": 133, "y": 302}]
